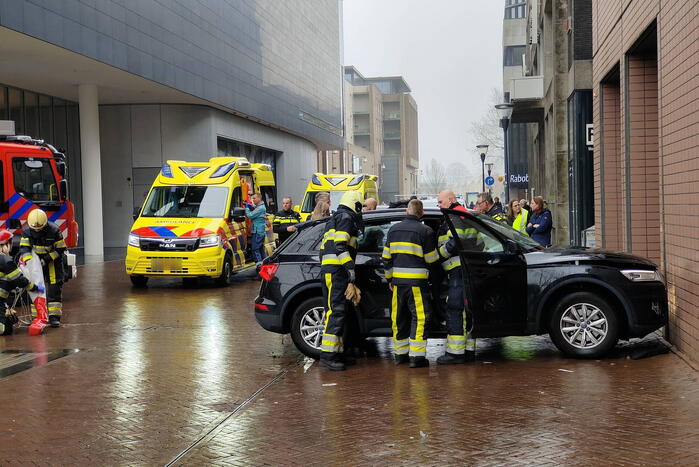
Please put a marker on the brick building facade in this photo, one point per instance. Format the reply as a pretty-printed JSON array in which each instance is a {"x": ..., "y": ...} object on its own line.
[{"x": 646, "y": 138}]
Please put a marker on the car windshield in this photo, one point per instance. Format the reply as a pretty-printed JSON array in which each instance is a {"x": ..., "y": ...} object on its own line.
[
  {"x": 186, "y": 201},
  {"x": 34, "y": 179},
  {"x": 309, "y": 201},
  {"x": 522, "y": 240}
]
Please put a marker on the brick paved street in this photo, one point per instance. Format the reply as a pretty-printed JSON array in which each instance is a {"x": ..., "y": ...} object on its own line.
[{"x": 178, "y": 374}]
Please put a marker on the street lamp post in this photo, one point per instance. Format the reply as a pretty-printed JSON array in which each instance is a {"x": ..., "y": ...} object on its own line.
[
  {"x": 483, "y": 149},
  {"x": 505, "y": 112}
]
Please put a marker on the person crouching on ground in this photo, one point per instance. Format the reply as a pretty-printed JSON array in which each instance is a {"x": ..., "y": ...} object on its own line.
[{"x": 10, "y": 278}]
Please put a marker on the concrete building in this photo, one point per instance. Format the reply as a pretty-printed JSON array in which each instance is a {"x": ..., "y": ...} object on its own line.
[
  {"x": 555, "y": 94},
  {"x": 384, "y": 132},
  {"x": 125, "y": 85},
  {"x": 514, "y": 47},
  {"x": 646, "y": 77}
]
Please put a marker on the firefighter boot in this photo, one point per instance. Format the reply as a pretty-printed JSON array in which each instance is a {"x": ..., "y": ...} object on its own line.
[
  {"x": 400, "y": 359},
  {"x": 54, "y": 321},
  {"x": 451, "y": 359},
  {"x": 331, "y": 361},
  {"x": 418, "y": 362}
]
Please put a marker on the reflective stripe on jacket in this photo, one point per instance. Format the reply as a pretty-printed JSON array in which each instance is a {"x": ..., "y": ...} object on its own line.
[
  {"x": 339, "y": 246},
  {"x": 409, "y": 250}
]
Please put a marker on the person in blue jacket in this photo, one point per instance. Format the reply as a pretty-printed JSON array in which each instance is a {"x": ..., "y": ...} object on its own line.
[
  {"x": 540, "y": 222},
  {"x": 257, "y": 213}
]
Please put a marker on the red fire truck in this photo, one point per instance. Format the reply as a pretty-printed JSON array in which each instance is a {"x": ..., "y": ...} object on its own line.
[{"x": 33, "y": 175}]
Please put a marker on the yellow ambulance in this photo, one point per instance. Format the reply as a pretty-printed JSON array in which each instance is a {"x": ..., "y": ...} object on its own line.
[
  {"x": 193, "y": 222},
  {"x": 336, "y": 185}
]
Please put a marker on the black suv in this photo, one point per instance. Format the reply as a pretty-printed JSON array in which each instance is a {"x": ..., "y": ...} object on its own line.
[{"x": 585, "y": 299}]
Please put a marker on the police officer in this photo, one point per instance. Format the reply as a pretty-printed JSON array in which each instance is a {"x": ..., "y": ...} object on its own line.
[
  {"x": 460, "y": 347},
  {"x": 338, "y": 252},
  {"x": 45, "y": 240},
  {"x": 285, "y": 221},
  {"x": 409, "y": 250},
  {"x": 10, "y": 278},
  {"x": 485, "y": 205}
]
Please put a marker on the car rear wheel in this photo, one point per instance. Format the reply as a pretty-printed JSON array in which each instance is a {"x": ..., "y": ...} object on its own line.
[
  {"x": 307, "y": 326},
  {"x": 584, "y": 325},
  {"x": 139, "y": 281}
]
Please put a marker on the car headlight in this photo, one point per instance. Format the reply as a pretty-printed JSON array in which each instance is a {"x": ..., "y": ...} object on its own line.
[
  {"x": 134, "y": 240},
  {"x": 642, "y": 275},
  {"x": 209, "y": 240}
]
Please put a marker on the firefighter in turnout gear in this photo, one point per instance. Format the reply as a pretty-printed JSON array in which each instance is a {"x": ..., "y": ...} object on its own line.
[
  {"x": 10, "y": 278},
  {"x": 285, "y": 221},
  {"x": 338, "y": 252},
  {"x": 45, "y": 240},
  {"x": 460, "y": 345},
  {"x": 409, "y": 251}
]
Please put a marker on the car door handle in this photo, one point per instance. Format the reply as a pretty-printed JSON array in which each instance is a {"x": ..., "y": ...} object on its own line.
[{"x": 493, "y": 261}]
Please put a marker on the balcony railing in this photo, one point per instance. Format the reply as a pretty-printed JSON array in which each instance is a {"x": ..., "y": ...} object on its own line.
[
  {"x": 391, "y": 135},
  {"x": 391, "y": 116}
]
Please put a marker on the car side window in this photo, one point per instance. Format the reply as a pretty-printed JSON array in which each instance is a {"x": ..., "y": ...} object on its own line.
[
  {"x": 374, "y": 237},
  {"x": 473, "y": 237}
]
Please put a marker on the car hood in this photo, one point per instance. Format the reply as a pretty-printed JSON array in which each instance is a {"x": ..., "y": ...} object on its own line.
[
  {"x": 175, "y": 227},
  {"x": 585, "y": 255}
]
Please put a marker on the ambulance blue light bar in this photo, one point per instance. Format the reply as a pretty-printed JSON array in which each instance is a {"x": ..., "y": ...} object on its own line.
[
  {"x": 166, "y": 170},
  {"x": 223, "y": 170}
]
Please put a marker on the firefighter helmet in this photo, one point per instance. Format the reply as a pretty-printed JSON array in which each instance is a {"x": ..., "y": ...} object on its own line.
[
  {"x": 5, "y": 236},
  {"x": 353, "y": 200},
  {"x": 37, "y": 219}
]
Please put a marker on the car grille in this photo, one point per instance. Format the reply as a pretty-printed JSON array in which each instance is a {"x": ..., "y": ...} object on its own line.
[{"x": 169, "y": 244}]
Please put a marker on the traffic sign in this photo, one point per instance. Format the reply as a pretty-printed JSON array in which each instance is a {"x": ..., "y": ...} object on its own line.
[{"x": 489, "y": 181}]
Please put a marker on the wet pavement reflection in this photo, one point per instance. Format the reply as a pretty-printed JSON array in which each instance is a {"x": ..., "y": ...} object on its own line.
[{"x": 184, "y": 375}]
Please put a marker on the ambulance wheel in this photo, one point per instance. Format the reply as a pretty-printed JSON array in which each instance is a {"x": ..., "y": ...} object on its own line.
[
  {"x": 139, "y": 281},
  {"x": 226, "y": 276}
]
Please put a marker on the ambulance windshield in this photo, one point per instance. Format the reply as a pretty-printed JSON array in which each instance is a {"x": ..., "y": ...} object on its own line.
[
  {"x": 186, "y": 201},
  {"x": 34, "y": 179}
]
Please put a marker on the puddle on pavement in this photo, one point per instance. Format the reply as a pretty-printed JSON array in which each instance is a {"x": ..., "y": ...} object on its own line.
[{"x": 15, "y": 361}]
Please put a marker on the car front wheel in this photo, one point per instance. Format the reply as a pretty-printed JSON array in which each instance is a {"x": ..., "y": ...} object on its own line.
[
  {"x": 307, "y": 326},
  {"x": 584, "y": 325}
]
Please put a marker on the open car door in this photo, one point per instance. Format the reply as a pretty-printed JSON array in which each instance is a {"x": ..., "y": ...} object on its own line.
[{"x": 495, "y": 276}]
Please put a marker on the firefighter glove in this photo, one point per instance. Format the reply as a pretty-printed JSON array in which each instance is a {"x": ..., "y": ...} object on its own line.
[{"x": 11, "y": 316}]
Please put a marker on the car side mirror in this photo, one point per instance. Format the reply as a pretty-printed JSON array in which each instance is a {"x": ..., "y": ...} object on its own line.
[
  {"x": 136, "y": 212},
  {"x": 297, "y": 208},
  {"x": 238, "y": 214},
  {"x": 511, "y": 248},
  {"x": 13, "y": 223},
  {"x": 64, "y": 189}
]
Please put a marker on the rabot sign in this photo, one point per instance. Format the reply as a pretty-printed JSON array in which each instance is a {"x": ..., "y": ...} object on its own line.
[{"x": 519, "y": 180}]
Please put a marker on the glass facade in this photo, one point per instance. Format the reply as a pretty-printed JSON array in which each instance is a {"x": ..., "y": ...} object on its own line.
[
  {"x": 515, "y": 9},
  {"x": 54, "y": 120},
  {"x": 276, "y": 61}
]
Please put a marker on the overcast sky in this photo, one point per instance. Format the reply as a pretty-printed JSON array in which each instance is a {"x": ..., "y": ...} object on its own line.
[{"x": 449, "y": 52}]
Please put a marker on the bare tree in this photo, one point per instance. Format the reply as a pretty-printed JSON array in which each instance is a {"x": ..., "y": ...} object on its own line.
[
  {"x": 434, "y": 178},
  {"x": 487, "y": 130}
]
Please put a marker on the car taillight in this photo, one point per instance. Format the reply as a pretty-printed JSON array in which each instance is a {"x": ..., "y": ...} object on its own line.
[
  {"x": 260, "y": 306},
  {"x": 267, "y": 271}
]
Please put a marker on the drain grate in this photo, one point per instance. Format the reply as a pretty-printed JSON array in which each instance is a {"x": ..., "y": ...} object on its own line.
[{"x": 14, "y": 361}]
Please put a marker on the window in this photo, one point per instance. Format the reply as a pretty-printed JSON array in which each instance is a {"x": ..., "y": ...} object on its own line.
[
  {"x": 515, "y": 9},
  {"x": 473, "y": 237},
  {"x": 373, "y": 239},
  {"x": 186, "y": 201},
  {"x": 34, "y": 179},
  {"x": 513, "y": 55},
  {"x": 236, "y": 199},
  {"x": 270, "y": 199}
]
